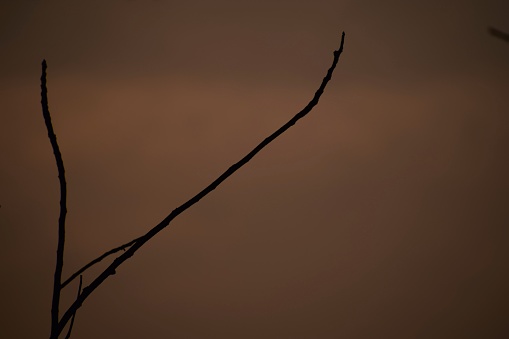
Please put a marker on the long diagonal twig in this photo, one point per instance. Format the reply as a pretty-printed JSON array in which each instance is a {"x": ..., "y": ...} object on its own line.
[
  {"x": 57, "y": 287},
  {"x": 111, "y": 269},
  {"x": 97, "y": 260}
]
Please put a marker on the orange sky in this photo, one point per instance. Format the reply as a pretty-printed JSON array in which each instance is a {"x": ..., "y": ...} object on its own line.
[{"x": 382, "y": 214}]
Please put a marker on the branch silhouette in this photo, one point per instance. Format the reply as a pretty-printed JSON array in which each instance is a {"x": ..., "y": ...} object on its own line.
[
  {"x": 97, "y": 260},
  {"x": 131, "y": 247},
  {"x": 68, "y": 335},
  {"x": 57, "y": 287}
]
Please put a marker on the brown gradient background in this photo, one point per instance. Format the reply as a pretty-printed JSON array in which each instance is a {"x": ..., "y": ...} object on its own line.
[{"x": 383, "y": 214}]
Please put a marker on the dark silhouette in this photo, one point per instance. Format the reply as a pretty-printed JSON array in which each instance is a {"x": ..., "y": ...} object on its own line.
[
  {"x": 57, "y": 286},
  {"x": 499, "y": 34},
  {"x": 131, "y": 247}
]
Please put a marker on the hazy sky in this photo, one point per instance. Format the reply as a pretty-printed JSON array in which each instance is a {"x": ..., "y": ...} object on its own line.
[{"x": 383, "y": 214}]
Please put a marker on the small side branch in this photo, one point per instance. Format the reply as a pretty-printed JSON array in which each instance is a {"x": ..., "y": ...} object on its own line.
[
  {"x": 63, "y": 205},
  {"x": 74, "y": 315},
  {"x": 111, "y": 269},
  {"x": 98, "y": 259}
]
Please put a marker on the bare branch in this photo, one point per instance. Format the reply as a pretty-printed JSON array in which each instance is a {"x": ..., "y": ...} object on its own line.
[
  {"x": 74, "y": 315},
  {"x": 63, "y": 205},
  {"x": 111, "y": 269},
  {"x": 95, "y": 261}
]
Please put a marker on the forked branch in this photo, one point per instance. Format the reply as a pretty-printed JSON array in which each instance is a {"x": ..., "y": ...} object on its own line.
[
  {"x": 98, "y": 259},
  {"x": 139, "y": 242}
]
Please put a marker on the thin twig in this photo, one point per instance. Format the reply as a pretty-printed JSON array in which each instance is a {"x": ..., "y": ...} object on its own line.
[
  {"x": 95, "y": 261},
  {"x": 63, "y": 205},
  {"x": 499, "y": 34},
  {"x": 74, "y": 315},
  {"x": 111, "y": 269}
]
